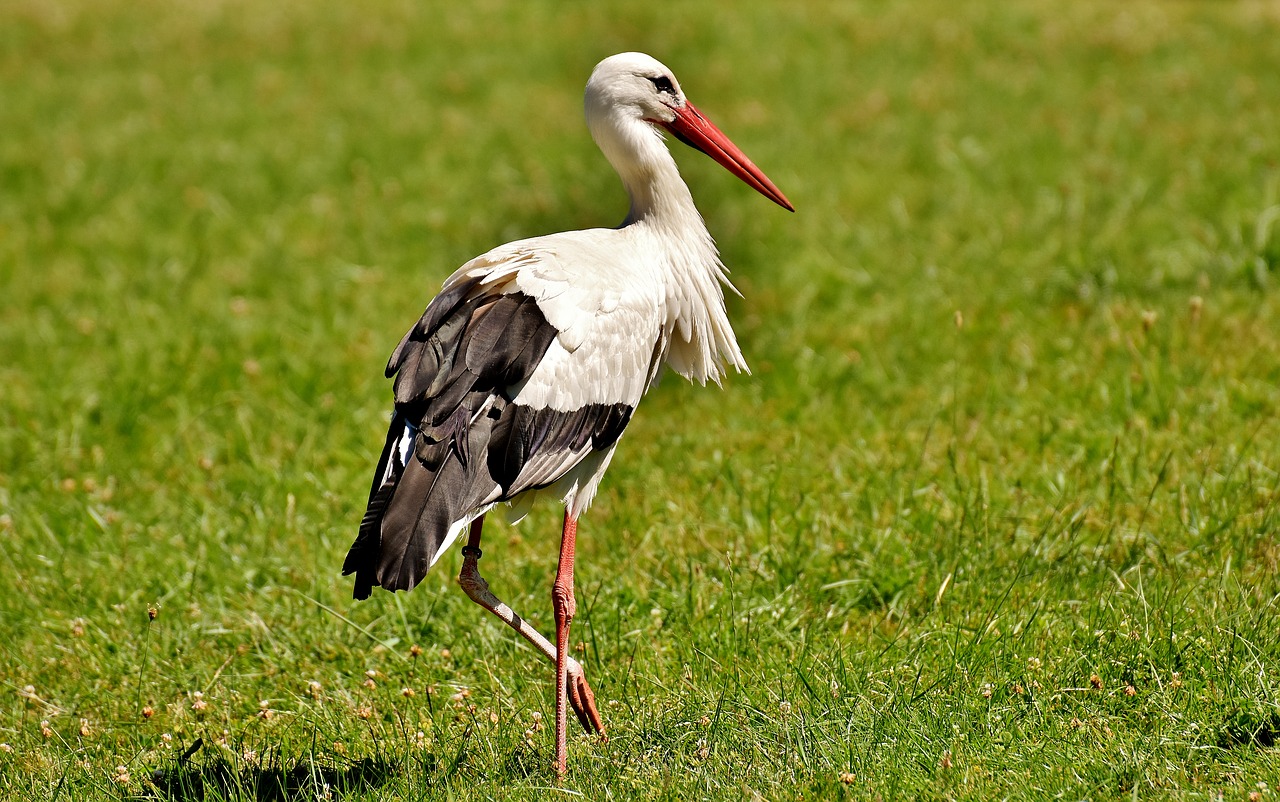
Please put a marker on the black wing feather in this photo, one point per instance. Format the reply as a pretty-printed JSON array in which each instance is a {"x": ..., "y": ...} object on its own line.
[
  {"x": 457, "y": 362},
  {"x": 442, "y": 306}
]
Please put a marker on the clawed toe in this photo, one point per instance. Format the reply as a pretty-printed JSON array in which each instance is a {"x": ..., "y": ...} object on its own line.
[{"x": 583, "y": 701}]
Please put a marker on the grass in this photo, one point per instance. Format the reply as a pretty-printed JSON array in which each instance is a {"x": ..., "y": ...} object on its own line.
[{"x": 995, "y": 514}]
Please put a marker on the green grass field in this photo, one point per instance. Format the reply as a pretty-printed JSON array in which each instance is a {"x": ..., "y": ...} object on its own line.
[{"x": 994, "y": 516}]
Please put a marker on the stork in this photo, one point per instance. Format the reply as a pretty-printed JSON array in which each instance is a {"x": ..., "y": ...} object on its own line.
[{"x": 525, "y": 369}]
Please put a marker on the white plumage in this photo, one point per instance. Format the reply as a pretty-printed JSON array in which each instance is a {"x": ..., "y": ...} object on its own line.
[{"x": 523, "y": 372}]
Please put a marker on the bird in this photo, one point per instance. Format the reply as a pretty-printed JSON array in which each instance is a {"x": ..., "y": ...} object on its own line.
[{"x": 524, "y": 370}]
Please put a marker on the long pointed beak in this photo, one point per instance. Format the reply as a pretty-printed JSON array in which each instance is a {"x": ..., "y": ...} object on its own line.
[{"x": 696, "y": 131}]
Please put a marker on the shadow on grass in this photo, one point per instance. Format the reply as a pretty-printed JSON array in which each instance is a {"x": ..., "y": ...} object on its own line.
[
  {"x": 1243, "y": 729},
  {"x": 216, "y": 778}
]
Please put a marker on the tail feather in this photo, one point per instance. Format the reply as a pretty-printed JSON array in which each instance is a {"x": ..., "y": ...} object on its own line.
[
  {"x": 414, "y": 514},
  {"x": 362, "y": 559}
]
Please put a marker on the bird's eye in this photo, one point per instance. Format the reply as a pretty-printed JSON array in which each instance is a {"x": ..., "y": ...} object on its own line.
[{"x": 663, "y": 84}]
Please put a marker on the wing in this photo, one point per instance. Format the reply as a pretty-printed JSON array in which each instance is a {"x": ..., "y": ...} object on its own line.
[{"x": 472, "y": 427}]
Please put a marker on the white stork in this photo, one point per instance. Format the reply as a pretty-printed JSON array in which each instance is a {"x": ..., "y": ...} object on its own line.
[{"x": 523, "y": 372}]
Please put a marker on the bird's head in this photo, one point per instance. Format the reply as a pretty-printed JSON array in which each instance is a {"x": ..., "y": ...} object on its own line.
[{"x": 633, "y": 87}]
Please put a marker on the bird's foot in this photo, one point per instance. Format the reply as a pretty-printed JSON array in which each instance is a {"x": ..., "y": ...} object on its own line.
[{"x": 583, "y": 700}]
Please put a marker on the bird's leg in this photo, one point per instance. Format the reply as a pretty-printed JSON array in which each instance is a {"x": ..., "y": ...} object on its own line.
[
  {"x": 475, "y": 586},
  {"x": 565, "y": 607}
]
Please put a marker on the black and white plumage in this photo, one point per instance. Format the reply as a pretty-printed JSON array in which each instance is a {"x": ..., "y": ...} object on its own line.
[
  {"x": 462, "y": 439},
  {"x": 524, "y": 371}
]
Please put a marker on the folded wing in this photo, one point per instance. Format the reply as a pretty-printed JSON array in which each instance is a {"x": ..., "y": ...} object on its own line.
[{"x": 463, "y": 437}]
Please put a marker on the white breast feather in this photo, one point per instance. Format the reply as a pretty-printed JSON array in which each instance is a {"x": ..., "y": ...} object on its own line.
[{"x": 613, "y": 294}]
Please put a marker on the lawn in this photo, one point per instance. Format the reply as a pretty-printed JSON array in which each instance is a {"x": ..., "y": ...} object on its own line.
[{"x": 994, "y": 515}]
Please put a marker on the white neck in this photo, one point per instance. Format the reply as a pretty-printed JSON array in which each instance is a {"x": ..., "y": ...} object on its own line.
[
  {"x": 641, "y": 158},
  {"x": 701, "y": 341}
]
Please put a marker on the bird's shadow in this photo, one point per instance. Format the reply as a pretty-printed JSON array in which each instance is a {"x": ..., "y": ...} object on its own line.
[
  {"x": 195, "y": 777},
  {"x": 215, "y": 777}
]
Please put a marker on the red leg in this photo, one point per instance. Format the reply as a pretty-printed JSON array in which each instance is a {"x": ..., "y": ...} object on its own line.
[
  {"x": 564, "y": 605},
  {"x": 581, "y": 699}
]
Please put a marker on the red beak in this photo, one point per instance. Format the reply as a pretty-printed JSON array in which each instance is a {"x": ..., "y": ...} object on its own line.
[{"x": 696, "y": 131}]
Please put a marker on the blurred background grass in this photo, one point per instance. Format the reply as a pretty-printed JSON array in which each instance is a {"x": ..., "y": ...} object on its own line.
[{"x": 1010, "y": 426}]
